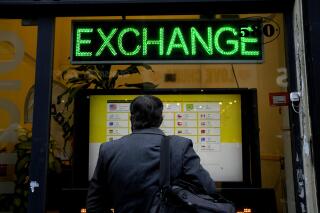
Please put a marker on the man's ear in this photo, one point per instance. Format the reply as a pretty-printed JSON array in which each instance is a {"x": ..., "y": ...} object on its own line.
[{"x": 132, "y": 120}]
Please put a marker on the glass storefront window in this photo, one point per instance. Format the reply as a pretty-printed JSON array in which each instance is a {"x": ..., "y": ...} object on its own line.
[
  {"x": 18, "y": 44},
  {"x": 269, "y": 78}
]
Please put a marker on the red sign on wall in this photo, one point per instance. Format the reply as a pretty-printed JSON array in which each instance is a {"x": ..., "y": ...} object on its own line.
[{"x": 279, "y": 99}]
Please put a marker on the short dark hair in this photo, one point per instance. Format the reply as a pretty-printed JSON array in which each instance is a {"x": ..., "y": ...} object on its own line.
[{"x": 146, "y": 112}]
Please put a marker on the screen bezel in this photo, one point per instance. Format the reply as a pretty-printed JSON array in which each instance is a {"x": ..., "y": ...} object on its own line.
[{"x": 249, "y": 123}]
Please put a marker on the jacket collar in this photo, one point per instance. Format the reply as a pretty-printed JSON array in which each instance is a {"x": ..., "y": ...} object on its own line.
[{"x": 155, "y": 131}]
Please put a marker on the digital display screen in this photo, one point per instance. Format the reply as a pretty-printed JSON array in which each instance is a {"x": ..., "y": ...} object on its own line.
[
  {"x": 212, "y": 121},
  {"x": 190, "y": 41}
]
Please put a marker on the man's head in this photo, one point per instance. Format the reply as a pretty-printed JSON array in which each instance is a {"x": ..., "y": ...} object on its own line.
[{"x": 146, "y": 112}]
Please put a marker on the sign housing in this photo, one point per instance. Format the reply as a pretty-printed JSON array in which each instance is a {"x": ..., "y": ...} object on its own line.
[{"x": 190, "y": 41}]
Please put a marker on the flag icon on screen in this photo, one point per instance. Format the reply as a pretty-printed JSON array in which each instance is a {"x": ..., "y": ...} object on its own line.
[
  {"x": 189, "y": 107},
  {"x": 203, "y": 131},
  {"x": 113, "y": 107},
  {"x": 179, "y": 123},
  {"x": 179, "y": 116}
]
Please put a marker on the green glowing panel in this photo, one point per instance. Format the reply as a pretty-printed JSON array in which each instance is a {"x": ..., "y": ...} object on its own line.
[{"x": 189, "y": 41}]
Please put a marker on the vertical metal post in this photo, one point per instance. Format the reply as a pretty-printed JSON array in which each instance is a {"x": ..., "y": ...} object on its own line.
[
  {"x": 311, "y": 18},
  {"x": 297, "y": 158},
  {"x": 41, "y": 116}
]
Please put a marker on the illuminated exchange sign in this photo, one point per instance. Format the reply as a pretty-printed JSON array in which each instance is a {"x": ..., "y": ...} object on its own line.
[{"x": 166, "y": 42}]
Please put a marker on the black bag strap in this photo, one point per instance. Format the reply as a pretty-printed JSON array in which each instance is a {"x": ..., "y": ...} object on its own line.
[{"x": 165, "y": 163}]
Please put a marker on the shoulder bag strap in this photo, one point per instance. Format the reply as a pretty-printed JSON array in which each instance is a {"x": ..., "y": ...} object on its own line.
[{"x": 165, "y": 163}]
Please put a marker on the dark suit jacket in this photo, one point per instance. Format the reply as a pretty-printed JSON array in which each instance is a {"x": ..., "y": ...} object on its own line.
[{"x": 128, "y": 169}]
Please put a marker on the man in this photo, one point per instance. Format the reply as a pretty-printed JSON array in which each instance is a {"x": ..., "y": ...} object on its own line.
[{"x": 127, "y": 170}]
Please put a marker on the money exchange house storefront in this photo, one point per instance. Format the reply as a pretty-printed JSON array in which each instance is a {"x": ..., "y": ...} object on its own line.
[{"x": 224, "y": 71}]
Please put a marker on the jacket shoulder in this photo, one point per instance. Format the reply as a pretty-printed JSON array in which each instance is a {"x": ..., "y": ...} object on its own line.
[
  {"x": 110, "y": 145},
  {"x": 180, "y": 141}
]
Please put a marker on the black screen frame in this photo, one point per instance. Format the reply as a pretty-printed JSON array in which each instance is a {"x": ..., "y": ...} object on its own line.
[{"x": 249, "y": 122}]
